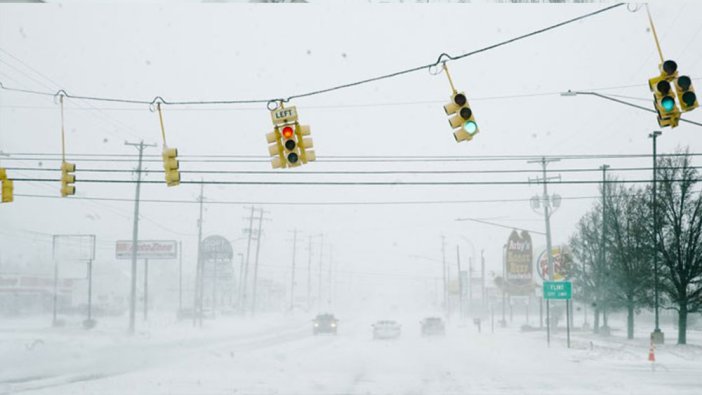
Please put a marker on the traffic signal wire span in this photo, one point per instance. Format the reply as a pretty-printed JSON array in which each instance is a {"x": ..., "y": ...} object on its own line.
[{"x": 444, "y": 57}]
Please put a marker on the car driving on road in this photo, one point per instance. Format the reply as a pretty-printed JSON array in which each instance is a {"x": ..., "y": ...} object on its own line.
[
  {"x": 386, "y": 329},
  {"x": 324, "y": 323},
  {"x": 433, "y": 326}
]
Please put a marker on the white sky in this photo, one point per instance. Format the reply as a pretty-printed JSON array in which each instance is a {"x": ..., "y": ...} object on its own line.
[{"x": 242, "y": 51}]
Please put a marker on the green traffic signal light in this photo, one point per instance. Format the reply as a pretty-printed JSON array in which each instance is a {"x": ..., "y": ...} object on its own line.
[
  {"x": 470, "y": 127},
  {"x": 668, "y": 103}
]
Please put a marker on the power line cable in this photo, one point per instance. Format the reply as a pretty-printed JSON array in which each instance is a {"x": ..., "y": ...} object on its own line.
[
  {"x": 361, "y": 183},
  {"x": 443, "y": 58},
  {"x": 290, "y": 203},
  {"x": 359, "y": 172},
  {"x": 104, "y": 117},
  {"x": 332, "y": 158}
]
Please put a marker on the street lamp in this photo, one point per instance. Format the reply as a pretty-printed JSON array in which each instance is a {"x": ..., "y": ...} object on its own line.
[{"x": 657, "y": 335}]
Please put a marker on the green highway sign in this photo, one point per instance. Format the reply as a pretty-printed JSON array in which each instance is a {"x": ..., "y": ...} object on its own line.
[{"x": 557, "y": 290}]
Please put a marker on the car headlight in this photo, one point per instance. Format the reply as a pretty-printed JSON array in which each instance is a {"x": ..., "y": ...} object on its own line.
[
  {"x": 316, "y": 324},
  {"x": 333, "y": 324}
]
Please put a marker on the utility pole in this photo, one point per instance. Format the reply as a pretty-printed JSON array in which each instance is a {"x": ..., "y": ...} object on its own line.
[
  {"x": 180, "y": 277},
  {"x": 245, "y": 280},
  {"x": 470, "y": 285},
  {"x": 309, "y": 274},
  {"x": 330, "y": 287},
  {"x": 258, "y": 248},
  {"x": 319, "y": 280},
  {"x": 90, "y": 288},
  {"x": 483, "y": 297},
  {"x": 460, "y": 283},
  {"x": 197, "y": 308},
  {"x": 54, "y": 320},
  {"x": 547, "y": 219},
  {"x": 241, "y": 277},
  {"x": 503, "y": 323},
  {"x": 135, "y": 235},
  {"x": 443, "y": 265},
  {"x": 604, "y": 231},
  {"x": 657, "y": 335},
  {"x": 146, "y": 290},
  {"x": 292, "y": 277}
]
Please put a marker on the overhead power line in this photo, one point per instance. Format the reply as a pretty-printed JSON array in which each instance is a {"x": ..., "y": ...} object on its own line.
[
  {"x": 358, "y": 183},
  {"x": 291, "y": 203},
  {"x": 360, "y": 172},
  {"x": 217, "y": 158},
  {"x": 443, "y": 58}
]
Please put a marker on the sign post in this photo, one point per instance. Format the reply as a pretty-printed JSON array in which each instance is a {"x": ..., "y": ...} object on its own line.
[
  {"x": 146, "y": 249},
  {"x": 560, "y": 290}
]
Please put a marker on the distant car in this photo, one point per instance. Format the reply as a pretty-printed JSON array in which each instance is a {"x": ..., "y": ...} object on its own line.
[
  {"x": 433, "y": 326},
  {"x": 324, "y": 323},
  {"x": 386, "y": 329}
]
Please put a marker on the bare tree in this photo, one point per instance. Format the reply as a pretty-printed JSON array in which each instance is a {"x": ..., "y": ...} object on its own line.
[
  {"x": 590, "y": 271},
  {"x": 680, "y": 237},
  {"x": 629, "y": 248}
]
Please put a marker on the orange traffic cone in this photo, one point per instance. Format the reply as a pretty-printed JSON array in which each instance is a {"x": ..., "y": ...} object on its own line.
[{"x": 652, "y": 352}]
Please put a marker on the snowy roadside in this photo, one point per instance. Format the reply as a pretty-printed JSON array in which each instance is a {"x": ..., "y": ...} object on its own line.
[{"x": 33, "y": 355}]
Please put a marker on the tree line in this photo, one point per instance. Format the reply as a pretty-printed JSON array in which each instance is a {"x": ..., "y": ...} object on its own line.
[{"x": 618, "y": 240}]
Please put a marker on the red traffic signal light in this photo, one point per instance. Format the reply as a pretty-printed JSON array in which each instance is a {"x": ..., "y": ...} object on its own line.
[{"x": 288, "y": 132}]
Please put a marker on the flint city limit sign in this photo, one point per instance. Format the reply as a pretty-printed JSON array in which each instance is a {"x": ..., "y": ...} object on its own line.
[{"x": 557, "y": 290}]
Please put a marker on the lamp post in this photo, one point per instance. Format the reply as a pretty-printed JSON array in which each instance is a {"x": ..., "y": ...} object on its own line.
[{"x": 657, "y": 335}]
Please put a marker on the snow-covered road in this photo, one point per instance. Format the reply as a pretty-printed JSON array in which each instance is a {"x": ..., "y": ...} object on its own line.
[{"x": 281, "y": 356}]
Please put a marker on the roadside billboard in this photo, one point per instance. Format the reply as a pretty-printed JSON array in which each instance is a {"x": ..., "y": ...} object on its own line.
[
  {"x": 147, "y": 249},
  {"x": 562, "y": 260},
  {"x": 518, "y": 263}
]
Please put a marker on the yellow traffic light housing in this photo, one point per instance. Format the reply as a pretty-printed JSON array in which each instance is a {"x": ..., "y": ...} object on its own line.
[
  {"x": 171, "y": 166},
  {"x": 7, "y": 187},
  {"x": 275, "y": 148},
  {"x": 68, "y": 179},
  {"x": 462, "y": 119},
  {"x": 306, "y": 146},
  {"x": 686, "y": 93},
  {"x": 288, "y": 145},
  {"x": 664, "y": 96},
  {"x": 291, "y": 148}
]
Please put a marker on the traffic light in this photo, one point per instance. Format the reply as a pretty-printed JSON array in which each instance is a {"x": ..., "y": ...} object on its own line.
[
  {"x": 7, "y": 186},
  {"x": 170, "y": 166},
  {"x": 288, "y": 145},
  {"x": 686, "y": 93},
  {"x": 462, "y": 121},
  {"x": 663, "y": 96},
  {"x": 67, "y": 179},
  {"x": 296, "y": 149}
]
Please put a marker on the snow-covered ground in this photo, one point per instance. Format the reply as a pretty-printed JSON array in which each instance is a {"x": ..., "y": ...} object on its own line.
[{"x": 278, "y": 354}]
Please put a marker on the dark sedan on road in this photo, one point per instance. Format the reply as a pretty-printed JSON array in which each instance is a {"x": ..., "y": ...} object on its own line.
[
  {"x": 433, "y": 326},
  {"x": 324, "y": 323}
]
